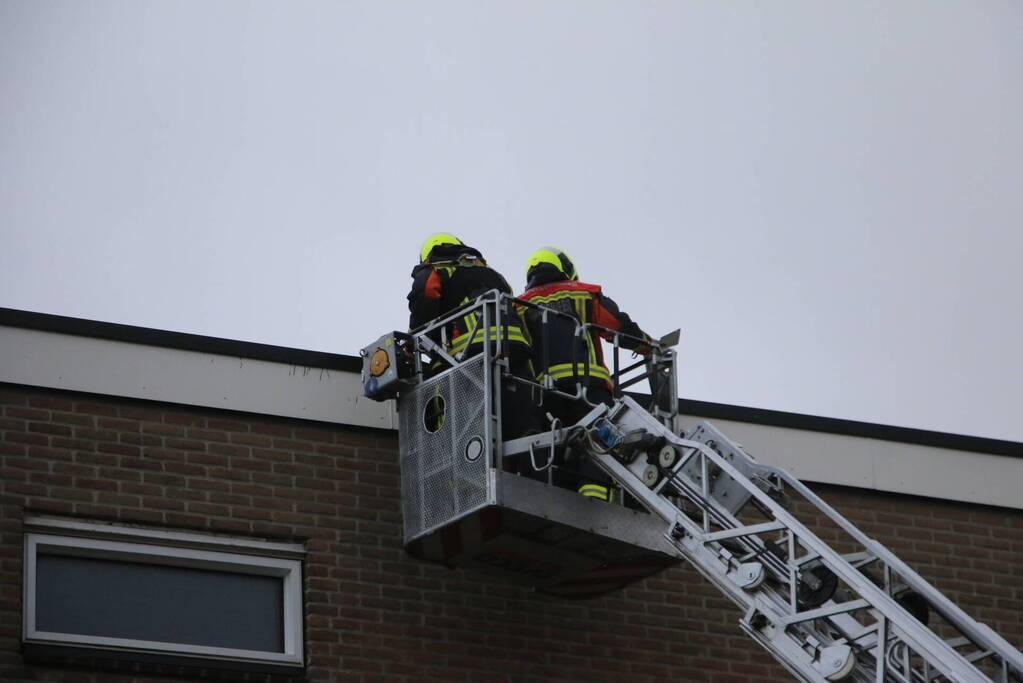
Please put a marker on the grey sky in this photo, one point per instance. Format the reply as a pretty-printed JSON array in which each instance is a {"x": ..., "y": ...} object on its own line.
[{"x": 826, "y": 197}]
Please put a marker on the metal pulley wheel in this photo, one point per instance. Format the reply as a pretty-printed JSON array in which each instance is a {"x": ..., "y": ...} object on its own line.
[
  {"x": 817, "y": 583},
  {"x": 748, "y": 575},
  {"x": 667, "y": 456},
  {"x": 650, "y": 476},
  {"x": 836, "y": 662},
  {"x": 915, "y": 604},
  {"x": 816, "y": 587}
]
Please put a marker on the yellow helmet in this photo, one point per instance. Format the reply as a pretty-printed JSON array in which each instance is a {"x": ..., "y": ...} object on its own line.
[
  {"x": 554, "y": 257},
  {"x": 435, "y": 240}
]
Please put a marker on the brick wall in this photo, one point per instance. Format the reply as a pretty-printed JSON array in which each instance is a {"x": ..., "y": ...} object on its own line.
[{"x": 375, "y": 615}]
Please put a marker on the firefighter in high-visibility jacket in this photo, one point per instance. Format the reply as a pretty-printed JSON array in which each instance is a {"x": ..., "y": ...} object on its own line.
[
  {"x": 450, "y": 274},
  {"x": 571, "y": 362}
]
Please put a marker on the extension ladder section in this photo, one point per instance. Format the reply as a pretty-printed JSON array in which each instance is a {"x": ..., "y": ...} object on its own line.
[{"x": 862, "y": 615}]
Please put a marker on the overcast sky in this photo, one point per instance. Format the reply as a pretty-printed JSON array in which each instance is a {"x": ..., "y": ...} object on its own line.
[{"x": 826, "y": 197}]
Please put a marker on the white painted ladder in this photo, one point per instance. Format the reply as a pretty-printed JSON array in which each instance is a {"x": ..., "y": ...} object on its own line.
[{"x": 825, "y": 616}]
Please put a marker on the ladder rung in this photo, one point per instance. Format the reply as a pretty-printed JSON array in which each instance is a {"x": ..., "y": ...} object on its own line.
[
  {"x": 743, "y": 531},
  {"x": 821, "y": 612}
]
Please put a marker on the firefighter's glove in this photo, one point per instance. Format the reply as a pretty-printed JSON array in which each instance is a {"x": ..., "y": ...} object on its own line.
[{"x": 642, "y": 350}]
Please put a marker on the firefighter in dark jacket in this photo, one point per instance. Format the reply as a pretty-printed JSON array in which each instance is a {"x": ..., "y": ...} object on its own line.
[
  {"x": 450, "y": 274},
  {"x": 573, "y": 362}
]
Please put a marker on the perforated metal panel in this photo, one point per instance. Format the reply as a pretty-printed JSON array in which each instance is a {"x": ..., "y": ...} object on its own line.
[{"x": 444, "y": 472}]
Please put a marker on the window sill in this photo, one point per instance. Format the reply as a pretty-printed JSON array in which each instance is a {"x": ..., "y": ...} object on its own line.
[{"x": 155, "y": 664}]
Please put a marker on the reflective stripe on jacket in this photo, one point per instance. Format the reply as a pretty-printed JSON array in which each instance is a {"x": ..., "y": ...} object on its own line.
[
  {"x": 571, "y": 356},
  {"x": 441, "y": 288},
  {"x": 596, "y": 491}
]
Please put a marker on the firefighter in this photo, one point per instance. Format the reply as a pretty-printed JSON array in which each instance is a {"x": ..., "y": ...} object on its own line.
[
  {"x": 574, "y": 363},
  {"x": 450, "y": 274}
]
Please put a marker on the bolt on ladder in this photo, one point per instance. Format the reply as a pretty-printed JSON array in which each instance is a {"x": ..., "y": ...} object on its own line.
[{"x": 862, "y": 616}]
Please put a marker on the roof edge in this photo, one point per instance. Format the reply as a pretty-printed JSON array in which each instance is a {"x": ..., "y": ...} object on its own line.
[
  {"x": 869, "y": 430},
  {"x": 177, "y": 340},
  {"x": 331, "y": 361}
]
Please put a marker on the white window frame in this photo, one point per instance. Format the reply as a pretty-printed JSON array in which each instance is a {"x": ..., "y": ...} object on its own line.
[{"x": 175, "y": 549}]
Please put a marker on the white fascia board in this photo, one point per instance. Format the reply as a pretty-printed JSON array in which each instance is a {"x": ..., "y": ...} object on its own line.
[
  {"x": 891, "y": 466},
  {"x": 114, "y": 368}
]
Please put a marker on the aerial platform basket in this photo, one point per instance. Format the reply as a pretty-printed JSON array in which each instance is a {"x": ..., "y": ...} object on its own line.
[
  {"x": 461, "y": 510},
  {"x": 461, "y": 505}
]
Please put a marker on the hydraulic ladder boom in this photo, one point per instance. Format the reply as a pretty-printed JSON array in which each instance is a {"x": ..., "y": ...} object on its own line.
[{"x": 862, "y": 616}]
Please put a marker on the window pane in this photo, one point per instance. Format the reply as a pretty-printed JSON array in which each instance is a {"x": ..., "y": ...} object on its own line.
[{"x": 117, "y": 599}]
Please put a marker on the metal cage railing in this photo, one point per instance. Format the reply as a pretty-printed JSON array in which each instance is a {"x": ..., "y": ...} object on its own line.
[{"x": 450, "y": 384}]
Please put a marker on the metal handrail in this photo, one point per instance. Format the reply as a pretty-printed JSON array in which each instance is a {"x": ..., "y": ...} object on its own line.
[{"x": 661, "y": 357}]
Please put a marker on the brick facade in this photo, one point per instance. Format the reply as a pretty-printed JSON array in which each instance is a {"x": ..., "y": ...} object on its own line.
[{"x": 376, "y": 615}]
